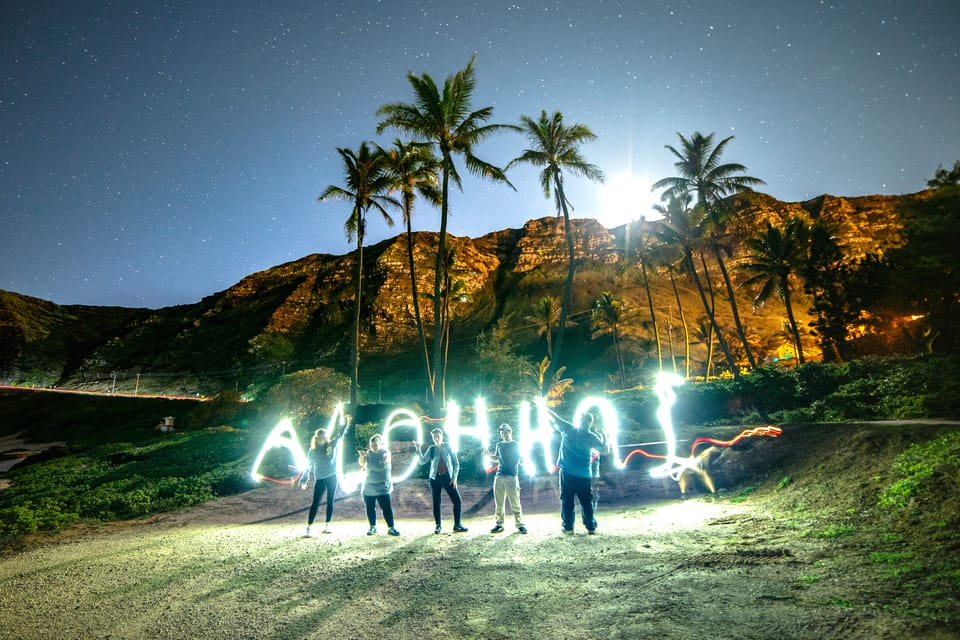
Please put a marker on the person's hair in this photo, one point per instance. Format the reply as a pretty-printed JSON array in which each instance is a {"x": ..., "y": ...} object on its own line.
[
  {"x": 505, "y": 427},
  {"x": 437, "y": 430},
  {"x": 376, "y": 437},
  {"x": 326, "y": 445}
]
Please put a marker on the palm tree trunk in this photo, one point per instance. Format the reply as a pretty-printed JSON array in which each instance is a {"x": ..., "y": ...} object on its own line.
[
  {"x": 568, "y": 286},
  {"x": 734, "y": 369},
  {"x": 436, "y": 405},
  {"x": 683, "y": 321},
  {"x": 620, "y": 365},
  {"x": 355, "y": 355},
  {"x": 793, "y": 321},
  {"x": 416, "y": 300},
  {"x": 733, "y": 307},
  {"x": 653, "y": 314}
]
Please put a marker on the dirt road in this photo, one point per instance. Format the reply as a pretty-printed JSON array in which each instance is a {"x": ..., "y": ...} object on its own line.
[{"x": 743, "y": 566}]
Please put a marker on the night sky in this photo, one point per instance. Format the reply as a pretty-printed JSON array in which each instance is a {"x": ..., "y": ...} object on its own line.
[{"x": 153, "y": 153}]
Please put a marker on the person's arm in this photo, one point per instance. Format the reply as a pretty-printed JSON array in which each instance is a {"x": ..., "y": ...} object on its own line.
[{"x": 426, "y": 455}]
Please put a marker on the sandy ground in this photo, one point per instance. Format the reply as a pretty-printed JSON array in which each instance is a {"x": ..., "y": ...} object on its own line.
[{"x": 241, "y": 567}]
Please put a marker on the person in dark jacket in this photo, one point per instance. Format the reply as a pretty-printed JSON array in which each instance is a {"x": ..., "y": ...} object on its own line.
[
  {"x": 576, "y": 447},
  {"x": 444, "y": 469}
]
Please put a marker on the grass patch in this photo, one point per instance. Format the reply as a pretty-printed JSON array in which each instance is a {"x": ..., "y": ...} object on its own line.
[{"x": 834, "y": 531}]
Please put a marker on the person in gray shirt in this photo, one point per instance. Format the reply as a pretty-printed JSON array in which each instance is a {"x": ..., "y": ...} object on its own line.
[{"x": 377, "y": 486}]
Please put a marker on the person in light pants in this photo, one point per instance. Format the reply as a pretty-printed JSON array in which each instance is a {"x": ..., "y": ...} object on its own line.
[{"x": 506, "y": 483}]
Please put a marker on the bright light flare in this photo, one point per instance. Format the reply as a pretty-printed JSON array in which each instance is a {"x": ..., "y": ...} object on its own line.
[
  {"x": 625, "y": 198},
  {"x": 673, "y": 465},
  {"x": 399, "y": 419}
]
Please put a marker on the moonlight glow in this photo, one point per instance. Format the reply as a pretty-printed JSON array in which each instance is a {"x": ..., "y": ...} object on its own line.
[{"x": 626, "y": 198}]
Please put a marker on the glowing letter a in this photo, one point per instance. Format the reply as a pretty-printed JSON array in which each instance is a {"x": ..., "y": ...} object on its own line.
[{"x": 283, "y": 436}]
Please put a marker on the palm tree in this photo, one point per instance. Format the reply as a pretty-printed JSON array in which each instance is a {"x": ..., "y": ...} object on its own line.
[
  {"x": 702, "y": 173},
  {"x": 680, "y": 230},
  {"x": 366, "y": 185},
  {"x": 443, "y": 118},
  {"x": 607, "y": 318},
  {"x": 642, "y": 251},
  {"x": 703, "y": 332},
  {"x": 543, "y": 317},
  {"x": 670, "y": 259},
  {"x": 775, "y": 256},
  {"x": 413, "y": 169},
  {"x": 555, "y": 148}
]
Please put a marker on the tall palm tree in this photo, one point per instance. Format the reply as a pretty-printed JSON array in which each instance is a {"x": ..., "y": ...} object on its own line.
[
  {"x": 702, "y": 173},
  {"x": 443, "y": 117},
  {"x": 556, "y": 148},
  {"x": 642, "y": 251},
  {"x": 366, "y": 185},
  {"x": 775, "y": 256},
  {"x": 413, "y": 170},
  {"x": 670, "y": 258},
  {"x": 607, "y": 319},
  {"x": 680, "y": 230}
]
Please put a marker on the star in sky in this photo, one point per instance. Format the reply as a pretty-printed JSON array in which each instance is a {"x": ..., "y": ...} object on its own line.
[{"x": 154, "y": 153}]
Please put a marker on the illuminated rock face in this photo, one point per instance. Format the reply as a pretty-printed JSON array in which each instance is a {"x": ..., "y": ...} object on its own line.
[{"x": 303, "y": 310}]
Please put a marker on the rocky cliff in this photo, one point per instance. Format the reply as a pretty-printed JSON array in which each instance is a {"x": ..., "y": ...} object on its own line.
[{"x": 300, "y": 313}]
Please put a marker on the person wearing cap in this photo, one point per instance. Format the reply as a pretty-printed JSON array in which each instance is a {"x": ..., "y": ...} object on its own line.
[{"x": 506, "y": 483}]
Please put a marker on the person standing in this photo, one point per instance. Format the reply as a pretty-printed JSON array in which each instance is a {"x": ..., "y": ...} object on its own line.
[
  {"x": 322, "y": 465},
  {"x": 377, "y": 486},
  {"x": 576, "y": 445},
  {"x": 444, "y": 470},
  {"x": 506, "y": 482}
]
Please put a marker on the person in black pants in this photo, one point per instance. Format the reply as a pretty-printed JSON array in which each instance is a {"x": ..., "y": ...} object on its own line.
[
  {"x": 377, "y": 485},
  {"x": 444, "y": 469},
  {"x": 322, "y": 465},
  {"x": 576, "y": 447}
]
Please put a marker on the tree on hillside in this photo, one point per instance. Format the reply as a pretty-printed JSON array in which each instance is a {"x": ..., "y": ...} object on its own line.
[
  {"x": 680, "y": 230},
  {"x": 443, "y": 117},
  {"x": 670, "y": 258},
  {"x": 366, "y": 186},
  {"x": 544, "y": 316},
  {"x": 944, "y": 178},
  {"x": 412, "y": 169},
  {"x": 829, "y": 282},
  {"x": 703, "y": 174},
  {"x": 641, "y": 249},
  {"x": 608, "y": 319},
  {"x": 555, "y": 147},
  {"x": 776, "y": 255}
]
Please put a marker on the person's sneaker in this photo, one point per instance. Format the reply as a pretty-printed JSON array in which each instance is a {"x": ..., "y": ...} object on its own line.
[
  {"x": 521, "y": 529},
  {"x": 393, "y": 531},
  {"x": 459, "y": 529},
  {"x": 326, "y": 527},
  {"x": 371, "y": 531},
  {"x": 496, "y": 529},
  {"x": 309, "y": 535},
  {"x": 568, "y": 532},
  {"x": 437, "y": 530},
  {"x": 591, "y": 531}
]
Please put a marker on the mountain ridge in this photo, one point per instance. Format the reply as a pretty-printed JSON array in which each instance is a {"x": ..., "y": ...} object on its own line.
[{"x": 299, "y": 313}]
